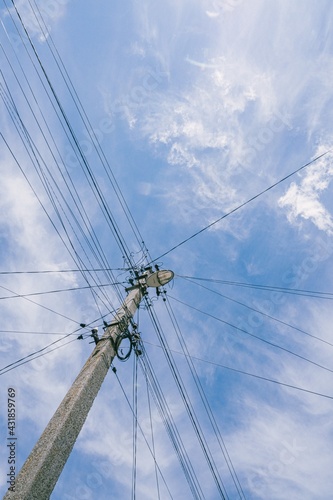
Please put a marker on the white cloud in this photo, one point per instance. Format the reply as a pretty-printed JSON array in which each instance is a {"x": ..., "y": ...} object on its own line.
[{"x": 303, "y": 200}]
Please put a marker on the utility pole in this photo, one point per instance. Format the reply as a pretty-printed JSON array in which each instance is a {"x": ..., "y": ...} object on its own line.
[{"x": 40, "y": 472}]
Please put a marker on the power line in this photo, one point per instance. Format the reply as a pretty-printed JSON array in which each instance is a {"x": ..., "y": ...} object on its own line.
[
  {"x": 34, "y": 153},
  {"x": 41, "y": 305},
  {"x": 91, "y": 178},
  {"x": 242, "y": 372},
  {"x": 170, "y": 426},
  {"x": 261, "y": 312},
  {"x": 48, "y": 292},
  {"x": 188, "y": 406},
  {"x": 253, "y": 335},
  {"x": 270, "y": 288},
  {"x": 242, "y": 205},
  {"x": 11, "y": 366},
  {"x": 23, "y": 332},
  {"x": 135, "y": 425},
  {"x": 46, "y": 212},
  {"x": 85, "y": 119},
  {"x": 76, "y": 148},
  {"x": 31, "y": 356},
  {"x": 74, "y": 143},
  {"x": 142, "y": 433},
  {"x": 152, "y": 431},
  {"x": 65, "y": 271},
  {"x": 204, "y": 400}
]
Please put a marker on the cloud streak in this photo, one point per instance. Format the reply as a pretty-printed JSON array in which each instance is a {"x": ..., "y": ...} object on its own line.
[{"x": 303, "y": 200}]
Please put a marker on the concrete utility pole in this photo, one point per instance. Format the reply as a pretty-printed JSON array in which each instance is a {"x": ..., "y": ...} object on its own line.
[{"x": 43, "y": 467}]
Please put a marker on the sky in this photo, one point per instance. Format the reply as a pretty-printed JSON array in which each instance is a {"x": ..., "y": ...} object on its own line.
[{"x": 131, "y": 122}]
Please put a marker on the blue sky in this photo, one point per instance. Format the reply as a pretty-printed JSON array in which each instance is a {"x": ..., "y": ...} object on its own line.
[{"x": 198, "y": 106}]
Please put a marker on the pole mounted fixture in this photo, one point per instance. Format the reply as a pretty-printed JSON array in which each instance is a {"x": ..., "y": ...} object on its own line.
[
  {"x": 40, "y": 472},
  {"x": 152, "y": 279},
  {"x": 159, "y": 278}
]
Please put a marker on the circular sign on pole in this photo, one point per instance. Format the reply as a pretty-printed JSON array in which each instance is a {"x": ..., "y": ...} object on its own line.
[{"x": 160, "y": 278}]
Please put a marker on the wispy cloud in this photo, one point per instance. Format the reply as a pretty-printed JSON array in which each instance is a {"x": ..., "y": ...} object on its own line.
[
  {"x": 303, "y": 200},
  {"x": 225, "y": 113},
  {"x": 38, "y": 18}
]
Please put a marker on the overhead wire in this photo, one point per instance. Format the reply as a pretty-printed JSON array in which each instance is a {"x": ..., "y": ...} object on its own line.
[
  {"x": 135, "y": 424},
  {"x": 46, "y": 76},
  {"x": 25, "y": 332},
  {"x": 76, "y": 197},
  {"x": 269, "y": 316},
  {"x": 47, "y": 187},
  {"x": 152, "y": 433},
  {"x": 154, "y": 387},
  {"x": 189, "y": 408},
  {"x": 241, "y": 205},
  {"x": 41, "y": 305},
  {"x": 17, "y": 363},
  {"x": 48, "y": 292},
  {"x": 242, "y": 372},
  {"x": 143, "y": 434},
  {"x": 204, "y": 399},
  {"x": 85, "y": 119},
  {"x": 140, "y": 351},
  {"x": 129, "y": 261},
  {"x": 87, "y": 172},
  {"x": 25, "y": 360},
  {"x": 91, "y": 178},
  {"x": 94, "y": 185},
  {"x": 170, "y": 426},
  {"x": 53, "y": 271},
  {"x": 270, "y": 288},
  {"x": 242, "y": 330},
  {"x": 44, "y": 208},
  {"x": 30, "y": 357}
]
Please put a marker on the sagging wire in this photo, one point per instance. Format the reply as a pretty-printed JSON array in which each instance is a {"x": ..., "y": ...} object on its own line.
[
  {"x": 48, "y": 292},
  {"x": 91, "y": 178},
  {"x": 60, "y": 271},
  {"x": 40, "y": 305},
  {"x": 35, "y": 355},
  {"x": 76, "y": 199}
]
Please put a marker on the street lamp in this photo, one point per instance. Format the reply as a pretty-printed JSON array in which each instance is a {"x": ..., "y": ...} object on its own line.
[{"x": 159, "y": 278}]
